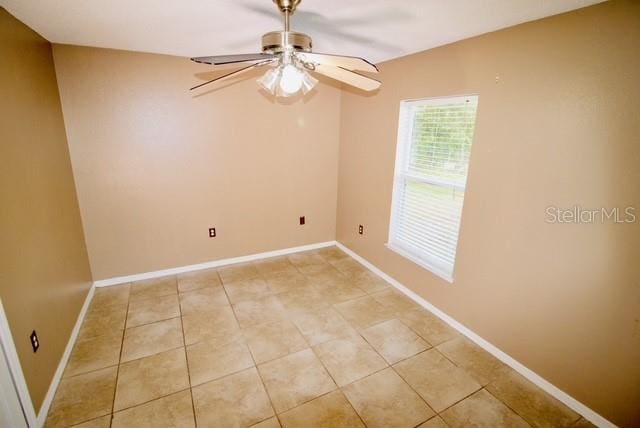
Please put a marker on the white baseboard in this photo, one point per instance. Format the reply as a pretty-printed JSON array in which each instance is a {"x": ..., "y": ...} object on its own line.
[
  {"x": 8, "y": 346},
  {"x": 538, "y": 380},
  {"x": 53, "y": 386},
  {"x": 212, "y": 264}
]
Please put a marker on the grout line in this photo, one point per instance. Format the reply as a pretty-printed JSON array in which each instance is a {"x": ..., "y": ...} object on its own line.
[
  {"x": 225, "y": 376},
  {"x": 513, "y": 410},
  {"x": 147, "y": 402},
  {"x": 91, "y": 420},
  {"x": 90, "y": 371},
  {"x": 255, "y": 365},
  {"x": 186, "y": 358},
  {"x": 153, "y": 322},
  {"x": 151, "y": 355},
  {"x": 464, "y": 398},
  {"x": 115, "y": 388},
  {"x": 390, "y": 366}
]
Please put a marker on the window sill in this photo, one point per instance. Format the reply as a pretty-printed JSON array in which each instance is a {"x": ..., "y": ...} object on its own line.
[{"x": 422, "y": 263}]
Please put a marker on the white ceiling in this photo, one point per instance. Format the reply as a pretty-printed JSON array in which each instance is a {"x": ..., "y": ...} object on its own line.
[{"x": 374, "y": 29}]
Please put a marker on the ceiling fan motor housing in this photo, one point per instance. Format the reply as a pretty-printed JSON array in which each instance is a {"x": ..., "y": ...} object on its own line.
[{"x": 279, "y": 41}]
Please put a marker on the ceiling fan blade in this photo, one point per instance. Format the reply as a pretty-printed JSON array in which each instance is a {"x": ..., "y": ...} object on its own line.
[
  {"x": 230, "y": 59},
  {"x": 346, "y": 62},
  {"x": 349, "y": 77},
  {"x": 233, "y": 73}
]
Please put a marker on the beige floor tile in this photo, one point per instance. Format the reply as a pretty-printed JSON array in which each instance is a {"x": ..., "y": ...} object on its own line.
[
  {"x": 273, "y": 265},
  {"x": 394, "y": 341},
  {"x": 249, "y": 289},
  {"x": 83, "y": 397},
  {"x": 174, "y": 410},
  {"x": 113, "y": 295},
  {"x": 274, "y": 340},
  {"x": 94, "y": 353},
  {"x": 438, "y": 381},
  {"x": 317, "y": 269},
  {"x": 328, "y": 276},
  {"x": 151, "y": 339},
  {"x": 339, "y": 291},
  {"x": 280, "y": 282},
  {"x": 385, "y": 400},
  {"x": 238, "y": 272},
  {"x": 331, "y": 411},
  {"x": 434, "y": 422},
  {"x": 190, "y": 281},
  {"x": 536, "y": 406},
  {"x": 218, "y": 325},
  {"x": 332, "y": 254},
  {"x": 209, "y": 361},
  {"x": 151, "y": 377},
  {"x": 238, "y": 400},
  {"x": 302, "y": 300},
  {"x": 363, "y": 312},
  {"x": 154, "y": 287},
  {"x": 395, "y": 300},
  {"x": 370, "y": 282},
  {"x": 480, "y": 364},
  {"x": 349, "y": 267},
  {"x": 152, "y": 309},
  {"x": 349, "y": 359},
  {"x": 101, "y": 422},
  {"x": 428, "y": 326},
  {"x": 253, "y": 312},
  {"x": 322, "y": 325},
  {"x": 481, "y": 410},
  {"x": 295, "y": 379},
  {"x": 203, "y": 300},
  {"x": 306, "y": 258},
  {"x": 103, "y": 319},
  {"x": 267, "y": 423}
]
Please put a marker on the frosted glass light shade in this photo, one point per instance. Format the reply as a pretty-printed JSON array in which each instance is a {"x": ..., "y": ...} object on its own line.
[
  {"x": 286, "y": 81},
  {"x": 291, "y": 79}
]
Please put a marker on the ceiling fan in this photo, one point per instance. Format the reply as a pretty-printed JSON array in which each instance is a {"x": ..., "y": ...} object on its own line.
[{"x": 292, "y": 62}]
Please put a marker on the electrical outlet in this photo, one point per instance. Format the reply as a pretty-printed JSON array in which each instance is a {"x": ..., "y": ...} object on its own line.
[
  {"x": 360, "y": 230},
  {"x": 35, "y": 343},
  {"x": 212, "y": 232},
  {"x": 302, "y": 221}
]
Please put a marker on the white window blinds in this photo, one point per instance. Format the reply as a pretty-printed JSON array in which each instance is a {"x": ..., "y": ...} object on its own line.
[{"x": 434, "y": 144}]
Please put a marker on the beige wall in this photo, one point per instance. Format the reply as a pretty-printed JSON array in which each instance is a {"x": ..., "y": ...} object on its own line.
[
  {"x": 44, "y": 270},
  {"x": 156, "y": 165},
  {"x": 560, "y": 128}
]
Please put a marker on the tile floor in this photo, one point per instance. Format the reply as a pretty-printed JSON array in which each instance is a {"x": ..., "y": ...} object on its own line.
[{"x": 308, "y": 340}]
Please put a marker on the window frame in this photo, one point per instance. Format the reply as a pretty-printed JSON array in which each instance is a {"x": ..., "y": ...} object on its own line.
[{"x": 403, "y": 154}]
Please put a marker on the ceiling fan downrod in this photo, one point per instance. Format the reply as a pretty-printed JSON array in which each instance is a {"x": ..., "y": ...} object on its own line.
[
  {"x": 277, "y": 42},
  {"x": 287, "y": 7}
]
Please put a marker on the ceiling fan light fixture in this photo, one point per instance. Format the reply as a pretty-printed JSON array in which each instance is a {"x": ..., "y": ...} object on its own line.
[
  {"x": 291, "y": 79},
  {"x": 291, "y": 54},
  {"x": 269, "y": 81},
  {"x": 308, "y": 82}
]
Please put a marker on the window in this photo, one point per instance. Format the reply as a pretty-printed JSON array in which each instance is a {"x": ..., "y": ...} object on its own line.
[{"x": 432, "y": 160}]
